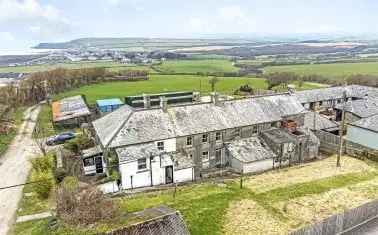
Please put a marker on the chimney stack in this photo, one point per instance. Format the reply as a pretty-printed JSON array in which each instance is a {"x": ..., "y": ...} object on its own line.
[
  {"x": 164, "y": 103},
  {"x": 146, "y": 101}
]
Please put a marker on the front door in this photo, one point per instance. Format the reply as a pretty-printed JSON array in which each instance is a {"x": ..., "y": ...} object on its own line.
[
  {"x": 99, "y": 167},
  {"x": 169, "y": 174}
]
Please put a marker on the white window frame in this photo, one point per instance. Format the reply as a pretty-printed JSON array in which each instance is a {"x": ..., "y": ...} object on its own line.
[
  {"x": 218, "y": 136},
  {"x": 205, "y": 136},
  {"x": 160, "y": 145},
  {"x": 140, "y": 164},
  {"x": 205, "y": 156},
  {"x": 189, "y": 139}
]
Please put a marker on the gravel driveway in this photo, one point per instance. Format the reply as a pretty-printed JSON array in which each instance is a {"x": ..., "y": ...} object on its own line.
[{"x": 15, "y": 167}]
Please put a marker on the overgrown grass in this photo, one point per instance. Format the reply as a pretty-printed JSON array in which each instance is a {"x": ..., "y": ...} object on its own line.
[{"x": 5, "y": 139}]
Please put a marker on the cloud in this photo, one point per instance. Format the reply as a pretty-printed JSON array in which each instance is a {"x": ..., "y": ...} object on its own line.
[
  {"x": 231, "y": 13},
  {"x": 44, "y": 21},
  {"x": 7, "y": 36}
]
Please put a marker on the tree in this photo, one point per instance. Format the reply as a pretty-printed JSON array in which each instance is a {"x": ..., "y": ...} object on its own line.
[
  {"x": 40, "y": 136},
  {"x": 213, "y": 81}
]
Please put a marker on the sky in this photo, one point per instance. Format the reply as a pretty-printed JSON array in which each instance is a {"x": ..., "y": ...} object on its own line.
[{"x": 25, "y": 23}]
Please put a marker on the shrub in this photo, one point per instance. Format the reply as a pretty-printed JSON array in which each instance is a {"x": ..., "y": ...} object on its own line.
[
  {"x": 44, "y": 183},
  {"x": 60, "y": 174},
  {"x": 78, "y": 144},
  {"x": 43, "y": 163},
  {"x": 83, "y": 205}
]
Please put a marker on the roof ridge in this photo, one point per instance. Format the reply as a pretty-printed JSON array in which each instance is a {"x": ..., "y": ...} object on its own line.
[{"x": 120, "y": 128}]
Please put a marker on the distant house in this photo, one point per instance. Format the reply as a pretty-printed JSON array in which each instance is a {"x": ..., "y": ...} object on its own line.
[
  {"x": 364, "y": 132},
  {"x": 108, "y": 105},
  {"x": 71, "y": 111}
]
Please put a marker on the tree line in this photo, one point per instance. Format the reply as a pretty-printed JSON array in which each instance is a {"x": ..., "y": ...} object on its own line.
[{"x": 38, "y": 86}]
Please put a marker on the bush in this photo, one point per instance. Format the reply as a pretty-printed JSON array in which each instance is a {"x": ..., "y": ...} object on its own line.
[
  {"x": 43, "y": 164},
  {"x": 60, "y": 174},
  {"x": 78, "y": 144},
  {"x": 44, "y": 183}
]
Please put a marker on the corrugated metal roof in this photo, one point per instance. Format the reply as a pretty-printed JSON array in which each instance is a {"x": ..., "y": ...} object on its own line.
[
  {"x": 109, "y": 102},
  {"x": 154, "y": 124},
  {"x": 68, "y": 108}
]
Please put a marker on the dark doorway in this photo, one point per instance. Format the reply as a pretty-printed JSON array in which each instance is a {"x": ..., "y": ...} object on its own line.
[
  {"x": 99, "y": 167},
  {"x": 169, "y": 174}
]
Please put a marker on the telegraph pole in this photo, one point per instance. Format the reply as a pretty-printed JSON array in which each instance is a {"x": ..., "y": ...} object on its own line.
[{"x": 341, "y": 131}]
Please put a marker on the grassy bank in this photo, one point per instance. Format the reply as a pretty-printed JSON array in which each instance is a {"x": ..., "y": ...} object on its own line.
[
  {"x": 197, "y": 66},
  {"x": 5, "y": 139}
]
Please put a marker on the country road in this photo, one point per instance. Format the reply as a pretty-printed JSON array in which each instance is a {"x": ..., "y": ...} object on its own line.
[{"x": 15, "y": 167}]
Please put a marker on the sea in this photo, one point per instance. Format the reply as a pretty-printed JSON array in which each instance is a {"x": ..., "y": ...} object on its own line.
[{"x": 26, "y": 51}]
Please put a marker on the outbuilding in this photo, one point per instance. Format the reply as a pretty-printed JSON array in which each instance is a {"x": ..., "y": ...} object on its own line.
[
  {"x": 364, "y": 132},
  {"x": 108, "y": 105}
]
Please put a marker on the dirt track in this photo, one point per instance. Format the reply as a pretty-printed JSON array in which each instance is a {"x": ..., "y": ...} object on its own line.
[{"x": 15, "y": 167}]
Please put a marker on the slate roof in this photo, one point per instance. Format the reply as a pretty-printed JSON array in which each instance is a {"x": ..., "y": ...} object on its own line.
[
  {"x": 68, "y": 108},
  {"x": 362, "y": 108},
  {"x": 160, "y": 220},
  {"x": 370, "y": 123},
  {"x": 91, "y": 152},
  {"x": 321, "y": 122},
  {"x": 130, "y": 126},
  {"x": 278, "y": 136},
  {"x": 331, "y": 93},
  {"x": 250, "y": 150}
]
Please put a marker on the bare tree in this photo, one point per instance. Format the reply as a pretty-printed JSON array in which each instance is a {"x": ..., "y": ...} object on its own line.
[{"x": 40, "y": 137}]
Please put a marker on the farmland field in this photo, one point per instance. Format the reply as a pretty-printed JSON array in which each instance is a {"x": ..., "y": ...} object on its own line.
[
  {"x": 337, "y": 70},
  {"x": 194, "y": 66},
  {"x": 112, "y": 66},
  {"x": 165, "y": 83}
]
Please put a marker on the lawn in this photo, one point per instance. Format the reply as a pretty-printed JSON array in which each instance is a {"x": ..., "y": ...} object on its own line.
[
  {"x": 337, "y": 70},
  {"x": 291, "y": 199},
  {"x": 197, "y": 66},
  {"x": 5, "y": 140},
  {"x": 162, "y": 83}
]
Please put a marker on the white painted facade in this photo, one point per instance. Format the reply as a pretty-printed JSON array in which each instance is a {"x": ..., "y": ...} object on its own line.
[
  {"x": 362, "y": 136},
  {"x": 154, "y": 174},
  {"x": 252, "y": 167}
]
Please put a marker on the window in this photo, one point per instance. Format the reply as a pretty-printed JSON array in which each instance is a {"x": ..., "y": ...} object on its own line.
[
  {"x": 89, "y": 161},
  {"x": 218, "y": 155},
  {"x": 205, "y": 138},
  {"x": 254, "y": 130},
  {"x": 191, "y": 156},
  {"x": 160, "y": 145},
  {"x": 142, "y": 164},
  {"x": 189, "y": 141},
  {"x": 218, "y": 136},
  {"x": 237, "y": 132},
  {"x": 205, "y": 156}
]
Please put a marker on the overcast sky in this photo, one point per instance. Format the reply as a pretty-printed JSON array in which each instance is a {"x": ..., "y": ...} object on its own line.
[{"x": 25, "y": 23}]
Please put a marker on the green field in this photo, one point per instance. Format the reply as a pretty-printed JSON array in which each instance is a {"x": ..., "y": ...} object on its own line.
[
  {"x": 111, "y": 66},
  {"x": 162, "y": 83},
  {"x": 338, "y": 70},
  {"x": 195, "y": 66},
  {"x": 167, "y": 83}
]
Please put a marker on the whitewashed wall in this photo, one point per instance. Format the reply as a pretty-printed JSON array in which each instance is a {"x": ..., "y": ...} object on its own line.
[
  {"x": 140, "y": 178},
  {"x": 183, "y": 175},
  {"x": 169, "y": 145},
  {"x": 258, "y": 166}
]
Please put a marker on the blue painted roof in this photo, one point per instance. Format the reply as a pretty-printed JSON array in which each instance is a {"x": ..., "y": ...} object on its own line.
[{"x": 109, "y": 102}]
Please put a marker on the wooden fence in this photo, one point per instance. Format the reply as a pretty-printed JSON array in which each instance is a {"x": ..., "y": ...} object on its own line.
[{"x": 339, "y": 223}]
